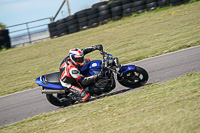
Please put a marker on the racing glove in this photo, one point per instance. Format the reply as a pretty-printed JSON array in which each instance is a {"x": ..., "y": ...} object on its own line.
[{"x": 98, "y": 47}]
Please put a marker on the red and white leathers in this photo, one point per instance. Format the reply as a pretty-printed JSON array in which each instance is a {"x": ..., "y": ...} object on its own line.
[{"x": 72, "y": 79}]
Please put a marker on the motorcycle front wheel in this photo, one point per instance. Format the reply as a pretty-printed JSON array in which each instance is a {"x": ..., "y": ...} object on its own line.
[
  {"x": 133, "y": 78},
  {"x": 61, "y": 100}
]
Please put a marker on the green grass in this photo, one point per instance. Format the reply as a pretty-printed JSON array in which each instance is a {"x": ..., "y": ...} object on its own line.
[
  {"x": 130, "y": 39},
  {"x": 171, "y": 107}
]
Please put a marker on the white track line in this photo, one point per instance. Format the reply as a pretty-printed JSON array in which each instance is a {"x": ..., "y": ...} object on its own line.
[
  {"x": 18, "y": 92},
  {"x": 165, "y": 54}
]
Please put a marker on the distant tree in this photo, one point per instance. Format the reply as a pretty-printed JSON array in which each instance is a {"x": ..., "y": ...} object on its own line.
[{"x": 2, "y": 26}]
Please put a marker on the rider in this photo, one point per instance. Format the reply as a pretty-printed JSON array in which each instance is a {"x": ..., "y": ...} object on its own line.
[{"x": 71, "y": 78}]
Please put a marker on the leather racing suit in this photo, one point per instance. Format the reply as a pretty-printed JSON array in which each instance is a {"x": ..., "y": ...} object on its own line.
[{"x": 72, "y": 79}]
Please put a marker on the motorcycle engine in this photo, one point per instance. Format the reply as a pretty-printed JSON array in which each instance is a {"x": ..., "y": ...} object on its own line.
[{"x": 104, "y": 84}]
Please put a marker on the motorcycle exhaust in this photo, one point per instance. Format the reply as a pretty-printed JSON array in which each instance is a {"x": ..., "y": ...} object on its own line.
[{"x": 49, "y": 91}]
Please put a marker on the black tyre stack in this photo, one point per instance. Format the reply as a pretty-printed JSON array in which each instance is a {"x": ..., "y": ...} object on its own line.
[
  {"x": 4, "y": 39},
  {"x": 72, "y": 24},
  {"x": 104, "y": 14},
  {"x": 99, "y": 4},
  {"x": 151, "y": 5},
  {"x": 83, "y": 20},
  {"x": 163, "y": 3},
  {"x": 186, "y": 1},
  {"x": 116, "y": 10},
  {"x": 53, "y": 30},
  {"x": 61, "y": 27},
  {"x": 93, "y": 16},
  {"x": 139, "y": 6},
  {"x": 176, "y": 2},
  {"x": 127, "y": 6}
]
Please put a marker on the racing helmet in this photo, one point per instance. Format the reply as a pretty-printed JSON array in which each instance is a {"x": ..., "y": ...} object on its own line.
[{"x": 76, "y": 55}]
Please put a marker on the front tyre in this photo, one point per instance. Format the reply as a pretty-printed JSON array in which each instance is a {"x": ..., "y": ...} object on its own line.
[
  {"x": 133, "y": 78},
  {"x": 61, "y": 100}
]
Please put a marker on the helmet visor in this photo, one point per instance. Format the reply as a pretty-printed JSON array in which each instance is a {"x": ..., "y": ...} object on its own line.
[{"x": 78, "y": 59}]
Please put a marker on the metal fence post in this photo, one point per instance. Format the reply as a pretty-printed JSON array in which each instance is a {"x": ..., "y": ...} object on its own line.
[
  {"x": 51, "y": 19},
  {"x": 29, "y": 35},
  {"x": 68, "y": 8}
]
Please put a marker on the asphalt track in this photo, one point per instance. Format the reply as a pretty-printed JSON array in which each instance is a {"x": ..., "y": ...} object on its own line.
[{"x": 25, "y": 104}]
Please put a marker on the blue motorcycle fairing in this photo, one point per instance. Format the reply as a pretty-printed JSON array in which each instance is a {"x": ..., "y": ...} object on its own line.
[
  {"x": 126, "y": 68},
  {"x": 41, "y": 82},
  {"x": 91, "y": 68}
]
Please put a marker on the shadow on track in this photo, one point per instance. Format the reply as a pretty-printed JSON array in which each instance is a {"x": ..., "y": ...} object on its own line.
[
  {"x": 113, "y": 93},
  {"x": 119, "y": 92}
]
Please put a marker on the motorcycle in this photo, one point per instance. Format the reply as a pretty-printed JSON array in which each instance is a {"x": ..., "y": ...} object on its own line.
[{"x": 127, "y": 75}]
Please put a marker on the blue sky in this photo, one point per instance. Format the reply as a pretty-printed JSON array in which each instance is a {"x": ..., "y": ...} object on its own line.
[{"x": 20, "y": 11}]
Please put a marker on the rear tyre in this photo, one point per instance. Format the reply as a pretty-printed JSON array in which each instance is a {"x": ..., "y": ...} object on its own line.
[
  {"x": 60, "y": 100},
  {"x": 133, "y": 78}
]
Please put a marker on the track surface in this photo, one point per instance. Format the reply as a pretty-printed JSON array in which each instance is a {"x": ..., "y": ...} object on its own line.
[{"x": 21, "y": 105}]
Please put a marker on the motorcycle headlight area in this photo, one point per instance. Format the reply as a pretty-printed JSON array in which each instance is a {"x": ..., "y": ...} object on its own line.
[
  {"x": 110, "y": 59},
  {"x": 116, "y": 60}
]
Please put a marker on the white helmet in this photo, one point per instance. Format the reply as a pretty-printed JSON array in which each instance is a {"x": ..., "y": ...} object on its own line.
[{"x": 76, "y": 55}]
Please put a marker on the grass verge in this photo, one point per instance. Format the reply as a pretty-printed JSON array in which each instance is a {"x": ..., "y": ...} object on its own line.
[
  {"x": 169, "y": 107},
  {"x": 131, "y": 39}
]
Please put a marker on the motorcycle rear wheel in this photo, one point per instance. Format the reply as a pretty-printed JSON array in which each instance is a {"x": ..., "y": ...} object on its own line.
[
  {"x": 133, "y": 78},
  {"x": 60, "y": 100}
]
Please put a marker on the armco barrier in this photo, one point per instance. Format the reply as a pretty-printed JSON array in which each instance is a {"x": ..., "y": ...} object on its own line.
[
  {"x": 29, "y": 32},
  {"x": 102, "y": 13}
]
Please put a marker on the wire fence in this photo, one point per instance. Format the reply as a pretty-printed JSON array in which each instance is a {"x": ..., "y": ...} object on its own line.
[
  {"x": 29, "y": 32},
  {"x": 33, "y": 31}
]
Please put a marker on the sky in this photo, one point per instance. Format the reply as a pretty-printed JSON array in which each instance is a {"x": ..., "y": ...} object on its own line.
[{"x": 14, "y": 12}]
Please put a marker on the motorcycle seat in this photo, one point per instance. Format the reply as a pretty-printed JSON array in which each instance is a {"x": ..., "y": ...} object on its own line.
[{"x": 53, "y": 78}]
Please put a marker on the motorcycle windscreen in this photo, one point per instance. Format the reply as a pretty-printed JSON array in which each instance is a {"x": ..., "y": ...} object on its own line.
[{"x": 91, "y": 68}]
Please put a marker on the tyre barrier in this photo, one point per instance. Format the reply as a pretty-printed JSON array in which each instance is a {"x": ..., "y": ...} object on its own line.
[
  {"x": 116, "y": 10},
  {"x": 82, "y": 18},
  {"x": 103, "y": 12},
  {"x": 99, "y": 4},
  {"x": 52, "y": 29},
  {"x": 61, "y": 27},
  {"x": 4, "y": 39},
  {"x": 176, "y": 2},
  {"x": 72, "y": 24},
  {"x": 139, "y": 6},
  {"x": 163, "y": 3},
  {"x": 151, "y": 5},
  {"x": 127, "y": 9},
  {"x": 93, "y": 17}
]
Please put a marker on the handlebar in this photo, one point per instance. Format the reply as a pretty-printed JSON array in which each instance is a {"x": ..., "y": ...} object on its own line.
[
  {"x": 107, "y": 58},
  {"x": 103, "y": 52}
]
